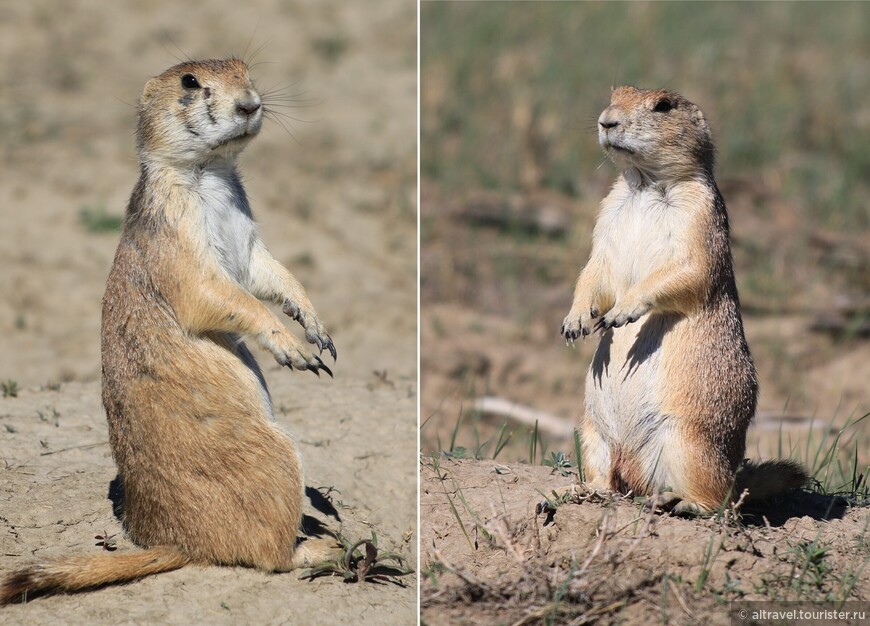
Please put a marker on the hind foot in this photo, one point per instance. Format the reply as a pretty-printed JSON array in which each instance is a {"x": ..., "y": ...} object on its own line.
[
  {"x": 314, "y": 551},
  {"x": 671, "y": 502}
]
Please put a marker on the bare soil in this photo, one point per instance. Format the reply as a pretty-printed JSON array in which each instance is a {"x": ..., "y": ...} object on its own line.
[
  {"x": 336, "y": 203},
  {"x": 606, "y": 560}
]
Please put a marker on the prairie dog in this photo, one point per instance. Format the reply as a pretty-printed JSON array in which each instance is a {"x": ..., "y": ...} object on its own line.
[
  {"x": 207, "y": 476},
  {"x": 672, "y": 387}
]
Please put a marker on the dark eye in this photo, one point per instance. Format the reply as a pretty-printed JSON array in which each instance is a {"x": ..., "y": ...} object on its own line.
[
  {"x": 188, "y": 81},
  {"x": 663, "y": 106}
]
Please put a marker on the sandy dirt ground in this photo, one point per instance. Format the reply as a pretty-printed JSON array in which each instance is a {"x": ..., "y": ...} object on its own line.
[
  {"x": 337, "y": 205},
  {"x": 605, "y": 561}
]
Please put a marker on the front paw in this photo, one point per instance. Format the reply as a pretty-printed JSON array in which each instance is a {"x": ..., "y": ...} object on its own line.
[
  {"x": 620, "y": 316},
  {"x": 317, "y": 335},
  {"x": 314, "y": 330},
  {"x": 301, "y": 359},
  {"x": 578, "y": 323},
  {"x": 573, "y": 327}
]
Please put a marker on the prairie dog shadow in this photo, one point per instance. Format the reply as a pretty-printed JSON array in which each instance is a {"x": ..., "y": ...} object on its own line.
[
  {"x": 647, "y": 342},
  {"x": 649, "y": 339},
  {"x": 797, "y": 503}
]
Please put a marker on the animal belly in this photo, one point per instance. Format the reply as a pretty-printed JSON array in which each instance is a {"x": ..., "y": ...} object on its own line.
[{"x": 624, "y": 386}]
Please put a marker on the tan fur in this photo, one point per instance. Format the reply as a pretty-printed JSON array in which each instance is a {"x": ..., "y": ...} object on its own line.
[
  {"x": 672, "y": 388},
  {"x": 207, "y": 476},
  {"x": 85, "y": 572}
]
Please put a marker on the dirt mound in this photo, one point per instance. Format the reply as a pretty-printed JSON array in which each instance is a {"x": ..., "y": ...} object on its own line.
[{"x": 488, "y": 557}]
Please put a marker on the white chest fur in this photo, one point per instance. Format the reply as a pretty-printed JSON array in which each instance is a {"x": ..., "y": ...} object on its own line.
[
  {"x": 229, "y": 225},
  {"x": 638, "y": 232}
]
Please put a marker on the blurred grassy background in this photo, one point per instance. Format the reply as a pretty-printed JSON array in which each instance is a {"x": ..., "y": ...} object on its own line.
[
  {"x": 512, "y": 175},
  {"x": 791, "y": 80}
]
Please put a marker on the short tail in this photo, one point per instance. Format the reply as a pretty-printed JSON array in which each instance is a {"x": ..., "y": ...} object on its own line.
[
  {"x": 86, "y": 572},
  {"x": 769, "y": 478}
]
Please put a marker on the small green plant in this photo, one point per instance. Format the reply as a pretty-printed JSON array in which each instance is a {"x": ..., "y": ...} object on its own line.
[
  {"x": 363, "y": 561},
  {"x": 458, "y": 452},
  {"x": 810, "y": 559},
  {"x": 553, "y": 501},
  {"x": 560, "y": 463},
  {"x": 107, "y": 541},
  {"x": 95, "y": 219},
  {"x": 10, "y": 389}
]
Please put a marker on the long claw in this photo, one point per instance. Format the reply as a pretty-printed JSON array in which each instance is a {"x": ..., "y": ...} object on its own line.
[
  {"x": 318, "y": 343},
  {"x": 331, "y": 347},
  {"x": 322, "y": 366}
]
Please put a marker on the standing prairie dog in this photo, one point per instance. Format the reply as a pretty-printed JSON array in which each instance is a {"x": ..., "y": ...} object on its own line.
[
  {"x": 207, "y": 476},
  {"x": 672, "y": 387}
]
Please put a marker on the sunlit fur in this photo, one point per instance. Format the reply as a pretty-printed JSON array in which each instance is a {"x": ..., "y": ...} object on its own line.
[
  {"x": 672, "y": 387},
  {"x": 207, "y": 476}
]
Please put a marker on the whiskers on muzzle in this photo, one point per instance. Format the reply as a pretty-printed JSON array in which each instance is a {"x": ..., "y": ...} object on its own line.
[{"x": 279, "y": 102}]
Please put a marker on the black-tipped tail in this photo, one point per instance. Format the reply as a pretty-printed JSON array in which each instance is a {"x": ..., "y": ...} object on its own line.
[{"x": 769, "y": 478}]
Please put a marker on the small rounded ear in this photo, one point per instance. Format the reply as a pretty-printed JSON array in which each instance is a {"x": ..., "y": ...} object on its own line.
[
  {"x": 698, "y": 119},
  {"x": 150, "y": 86}
]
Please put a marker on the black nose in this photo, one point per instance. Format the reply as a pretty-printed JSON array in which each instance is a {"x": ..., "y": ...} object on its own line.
[
  {"x": 608, "y": 124},
  {"x": 248, "y": 108}
]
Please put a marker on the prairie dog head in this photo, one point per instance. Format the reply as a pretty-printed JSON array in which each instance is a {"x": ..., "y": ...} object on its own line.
[
  {"x": 657, "y": 132},
  {"x": 197, "y": 111}
]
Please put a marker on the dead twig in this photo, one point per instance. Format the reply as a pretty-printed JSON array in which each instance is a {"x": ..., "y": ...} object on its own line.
[{"x": 83, "y": 447}]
